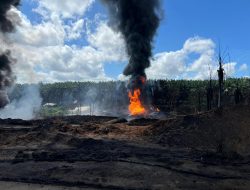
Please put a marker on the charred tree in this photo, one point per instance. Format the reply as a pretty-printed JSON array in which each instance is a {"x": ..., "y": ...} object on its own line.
[
  {"x": 237, "y": 95},
  {"x": 199, "y": 100},
  {"x": 221, "y": 83},
  {"x": 209, "y": 95}
]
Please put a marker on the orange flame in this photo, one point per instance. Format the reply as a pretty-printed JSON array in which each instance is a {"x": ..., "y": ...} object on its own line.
[{"x": 136, "y": 107}]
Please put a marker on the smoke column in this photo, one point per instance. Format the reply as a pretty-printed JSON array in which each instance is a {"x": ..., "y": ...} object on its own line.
[
  {"x": 6, "y": 26},
  {"x": 138, "y": 21}
]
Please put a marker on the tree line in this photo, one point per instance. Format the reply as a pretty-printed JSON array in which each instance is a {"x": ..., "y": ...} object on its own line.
[{"x": 183, "y": 96}]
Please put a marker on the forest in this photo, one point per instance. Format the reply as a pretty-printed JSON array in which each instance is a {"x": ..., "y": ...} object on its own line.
[{"x": 182, "y": 96}]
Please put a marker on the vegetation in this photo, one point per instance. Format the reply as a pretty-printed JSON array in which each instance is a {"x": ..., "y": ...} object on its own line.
[
  {"x": 48, "y": 111},
  {"x": 168, "y": 95}
]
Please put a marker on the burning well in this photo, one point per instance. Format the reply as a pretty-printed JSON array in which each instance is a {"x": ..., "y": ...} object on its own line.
[
  {"x": 138, "y": 21},
  {"x": 136, "y": 106}
]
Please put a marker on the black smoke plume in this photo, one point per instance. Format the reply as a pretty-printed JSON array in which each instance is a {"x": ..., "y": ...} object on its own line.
[
  {"x": 5, "y": 24},
  {"x": 6, "y": 75},
  {"x": 138, "y": 21}
]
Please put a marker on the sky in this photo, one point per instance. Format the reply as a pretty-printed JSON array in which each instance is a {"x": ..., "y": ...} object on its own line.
[{"x": 71, "y": 40}]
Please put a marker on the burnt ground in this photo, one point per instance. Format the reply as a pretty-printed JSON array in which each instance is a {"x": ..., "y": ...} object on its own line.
[{"x": 202, "y": 151}]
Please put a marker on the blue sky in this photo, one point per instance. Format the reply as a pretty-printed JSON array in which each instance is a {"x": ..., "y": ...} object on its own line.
[
  {"x": 205, "y": 23},
  {"x": 226, "y": 22}
]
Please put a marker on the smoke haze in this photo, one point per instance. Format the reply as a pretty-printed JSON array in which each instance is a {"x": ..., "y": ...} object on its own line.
[{"x": 26, "y": 107}]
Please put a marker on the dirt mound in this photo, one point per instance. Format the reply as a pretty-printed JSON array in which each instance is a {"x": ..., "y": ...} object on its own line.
[{"x": 223, "y": 130}]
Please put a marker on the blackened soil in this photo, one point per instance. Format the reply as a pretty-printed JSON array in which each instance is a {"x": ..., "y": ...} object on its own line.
[{"x": 204, "y": 151}]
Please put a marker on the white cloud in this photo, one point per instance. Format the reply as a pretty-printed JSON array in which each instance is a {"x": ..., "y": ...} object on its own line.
[
  {"x": 43, "y": 34},
  {"x": 107, "y": 41},
  {"x": 243, "y": 67},
  {"x": 58, "y": 63},
  {"x": 230, "y": 69},
  {"x": 167, "y": 65},
  {"x": 199, "y": 45},
  {"x": 65, "y": 9},
  {"x": 176, "y": 64},
  {"x": 43, "y": 54},
  {"x": 75, "y": 30}
]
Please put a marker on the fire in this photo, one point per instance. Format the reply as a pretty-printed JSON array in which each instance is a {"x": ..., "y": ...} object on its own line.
[{"x": 136, "y": 107}]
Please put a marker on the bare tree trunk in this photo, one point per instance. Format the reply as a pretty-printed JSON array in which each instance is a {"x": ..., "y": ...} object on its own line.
[{"x": 221, "y": 82}]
